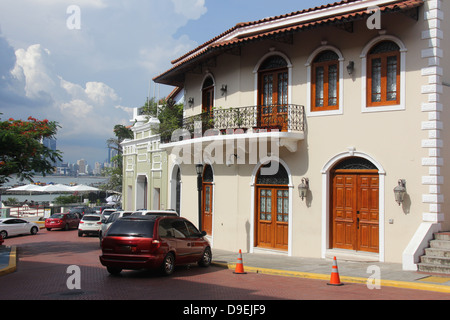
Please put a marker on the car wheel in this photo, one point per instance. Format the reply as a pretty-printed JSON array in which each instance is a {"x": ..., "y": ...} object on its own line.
[
  {"x": 4, "y": 234},
  {"x": 66, "y": 227},
  {"x": 80, "y": 234},
  {"x": 114, "y": 271},
  {"x": 168, "y": 264},
  {"x": 34, "y": 230},
  {"x": 205, "y": 261}
]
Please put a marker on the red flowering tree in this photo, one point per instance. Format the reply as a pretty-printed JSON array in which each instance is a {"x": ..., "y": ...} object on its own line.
[{"x": 21, "y": 150}]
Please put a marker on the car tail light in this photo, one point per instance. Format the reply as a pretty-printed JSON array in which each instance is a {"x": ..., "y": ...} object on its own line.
[
  {"x": 81, "y": 221},
  {"x": 155, "y": 244},
  {"x": 99, "y": 222}
]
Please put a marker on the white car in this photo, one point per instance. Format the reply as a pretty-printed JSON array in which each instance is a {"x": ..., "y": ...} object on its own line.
[
  {"x": 90, "y": 224},
  {"x": 17, "y": 226}
]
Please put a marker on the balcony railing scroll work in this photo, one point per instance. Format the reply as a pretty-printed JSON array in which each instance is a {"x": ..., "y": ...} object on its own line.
[{"x": 252, "y": 119}]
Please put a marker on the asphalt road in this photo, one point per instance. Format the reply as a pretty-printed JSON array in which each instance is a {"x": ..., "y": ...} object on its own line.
[{"x": 43, "y": 273}]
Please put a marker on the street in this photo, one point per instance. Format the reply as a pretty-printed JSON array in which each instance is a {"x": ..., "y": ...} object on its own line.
[{"x": 43, "y": 273}]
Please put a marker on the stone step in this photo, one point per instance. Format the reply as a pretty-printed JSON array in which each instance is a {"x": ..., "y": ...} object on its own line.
[
  {"x": 432, "y": 268},
  {"x": 435, "y": 260},
  {"x": 442, "y": 236},
  {"x": 442, "y": 244},
  {"x": 437, "y": 252}
]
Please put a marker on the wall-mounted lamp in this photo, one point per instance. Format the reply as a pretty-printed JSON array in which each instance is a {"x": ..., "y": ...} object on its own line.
[
  {"x": 303, "y": 188},
  {"x": 191, "y": 102},
  {"x": 400, "y": 191},
  {"x": 350, "y": 67},
  {"x": 224, "y": 89}
]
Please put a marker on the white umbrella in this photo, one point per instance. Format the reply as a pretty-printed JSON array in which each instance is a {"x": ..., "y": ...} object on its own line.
[
  {"x": 82, "y": 187},
  {"x": 56, "y": 188},
  {"x": 27, "y": 187}
]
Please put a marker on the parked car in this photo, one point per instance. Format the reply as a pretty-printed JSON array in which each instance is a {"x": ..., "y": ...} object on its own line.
[
  {"x": 80, "y": 211},
  {"x": 1, "y": 240},
  {"x": 106, "y": 213},
  {"x": 153, "y": 242},
  {"x": 16, "y": 226},
  {"x": 64, "y": 221},
  {"x": 112, "y": 217},
  {"x": 155, "y": 212},
  {"x": 90, "y": 224},
  {"x": 99, "y": 209}
]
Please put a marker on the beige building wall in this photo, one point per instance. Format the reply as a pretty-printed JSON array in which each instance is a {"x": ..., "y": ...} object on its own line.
[{"x": 399, "y": 142}]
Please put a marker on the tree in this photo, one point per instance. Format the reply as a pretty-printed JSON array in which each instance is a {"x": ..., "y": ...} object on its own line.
[
  {"x": 21, "y": 150},
  {"x": 169, "y": 114}
]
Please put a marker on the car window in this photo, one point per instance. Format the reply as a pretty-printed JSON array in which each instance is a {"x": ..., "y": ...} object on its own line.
[
  {"x": 165, "y": 229},
  {"x": 180, "y": 229},
  {"x": 112, "y": 217},
  {"x": 56, "y": 216},
  {"x": 193, "y": 231},
  {"x": 91, "y": 218},
  {"x": 132, "y": 228}
]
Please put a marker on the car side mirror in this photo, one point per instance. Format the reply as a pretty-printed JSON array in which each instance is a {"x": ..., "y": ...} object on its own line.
[{"x": 203, "y": 233}]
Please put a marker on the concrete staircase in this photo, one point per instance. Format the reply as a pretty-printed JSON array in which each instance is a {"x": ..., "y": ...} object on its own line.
[{"x": 437, "y": 257}]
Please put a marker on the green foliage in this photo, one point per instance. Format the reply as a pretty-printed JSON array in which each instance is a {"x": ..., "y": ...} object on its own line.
[
  {"x": 61, "y": 200},
  {"x": 21, "y": 150},
  {"x": 169, "y": 114}
]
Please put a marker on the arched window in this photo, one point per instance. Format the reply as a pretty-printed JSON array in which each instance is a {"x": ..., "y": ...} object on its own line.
[
  {"x": 208, "y": 95},
  {"x": 383, "y": 74},
  {"x": 325, "y": 82}
]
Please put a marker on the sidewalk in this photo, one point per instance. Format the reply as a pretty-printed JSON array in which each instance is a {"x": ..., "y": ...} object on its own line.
[{"x": 391, "y": 274}]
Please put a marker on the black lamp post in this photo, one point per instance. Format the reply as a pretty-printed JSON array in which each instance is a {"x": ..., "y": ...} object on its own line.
[{"x": 199, "y": 169}]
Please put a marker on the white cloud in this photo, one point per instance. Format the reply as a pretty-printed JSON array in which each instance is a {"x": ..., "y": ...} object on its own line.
[{"x": 191, "y": 9}]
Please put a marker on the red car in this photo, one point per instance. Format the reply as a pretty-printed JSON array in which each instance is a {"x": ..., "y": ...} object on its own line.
[
  {"x": 153, "y": 242},
  {"x": 64, "y": 221}
]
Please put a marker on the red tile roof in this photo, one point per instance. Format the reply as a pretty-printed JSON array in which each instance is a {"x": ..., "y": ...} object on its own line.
[{"x": 216, "y": 45}]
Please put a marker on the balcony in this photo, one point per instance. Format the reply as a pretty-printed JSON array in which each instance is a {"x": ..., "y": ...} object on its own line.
[{"x": 283, "y": 122}]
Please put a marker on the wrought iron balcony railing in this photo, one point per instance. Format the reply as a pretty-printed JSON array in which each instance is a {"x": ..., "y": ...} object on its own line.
[{"x": 285, "y": 118}]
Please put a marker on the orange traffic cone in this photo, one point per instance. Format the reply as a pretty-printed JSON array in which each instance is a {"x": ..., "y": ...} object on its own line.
[
  {"x": 239, "y": 266},
  {"x": 335, "y": 280}
]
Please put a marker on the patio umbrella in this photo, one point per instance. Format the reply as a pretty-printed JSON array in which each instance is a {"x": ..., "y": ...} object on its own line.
[
  {"x": 27, "y": 187},
  {"x": 83, "y": 188},
  {"x": 56, "y": 188}
]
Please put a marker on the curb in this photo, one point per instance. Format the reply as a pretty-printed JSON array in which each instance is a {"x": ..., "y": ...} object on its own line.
[
  {"x": 317, "y": 276},
  {"x": 12, "y": 266}
]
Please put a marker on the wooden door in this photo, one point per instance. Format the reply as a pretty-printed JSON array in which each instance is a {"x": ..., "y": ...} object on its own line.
[
  {"x": 273, "y": 99},
  {"x": 272, "y": 218},
  {"x": 355, "y": 211},
  {"x": 207, "y": 208}
]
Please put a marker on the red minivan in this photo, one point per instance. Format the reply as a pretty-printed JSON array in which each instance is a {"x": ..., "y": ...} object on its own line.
[
  {"x": 64, "y": 221},
  {"x": 153, "y": 242}
]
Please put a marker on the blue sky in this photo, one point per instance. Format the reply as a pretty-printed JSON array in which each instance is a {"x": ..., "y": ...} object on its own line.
[{"x": 88, "y": 69}]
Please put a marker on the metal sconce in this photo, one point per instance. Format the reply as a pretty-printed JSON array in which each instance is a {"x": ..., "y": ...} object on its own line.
[
  {"x": 350, "y": 67},
  {"x": 400, "y": 191},
  {"x": 191, "y": 102},
  {"x": 303, "y": 188},
  {"x": 224, "y": 89}
]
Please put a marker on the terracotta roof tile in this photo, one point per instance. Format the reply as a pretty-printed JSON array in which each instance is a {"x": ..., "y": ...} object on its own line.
[{"x": 215, "y": 44}]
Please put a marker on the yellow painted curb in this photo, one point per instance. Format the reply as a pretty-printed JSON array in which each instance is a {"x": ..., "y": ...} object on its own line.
[
  {"x": 317, "y": 276},
  {"x": 12, "y": 266}
]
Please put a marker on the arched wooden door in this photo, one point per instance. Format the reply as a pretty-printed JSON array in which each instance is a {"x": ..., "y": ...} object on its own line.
[
  {"x": 272, "y": 210},
  {"x": 207, "y": 200},
  {"x": 355, "y": 206}
]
